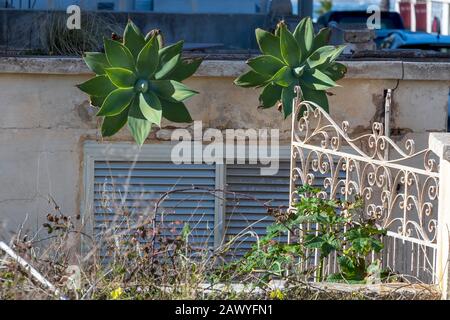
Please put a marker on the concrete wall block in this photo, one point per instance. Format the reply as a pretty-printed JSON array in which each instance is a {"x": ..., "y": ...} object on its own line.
[
  {"x": 35, "y": 101},
  {"x": 421, "y": 106},
  {"x": 38, "y": 164}
]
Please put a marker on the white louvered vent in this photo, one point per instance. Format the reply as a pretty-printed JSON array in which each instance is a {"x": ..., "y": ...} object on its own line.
[
  {"x": 134, "y": 188},
  {"x": 247, "y": 194}
]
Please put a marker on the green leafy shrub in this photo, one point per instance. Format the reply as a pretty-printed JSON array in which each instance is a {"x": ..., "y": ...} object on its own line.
[
  {"x": 326, "y": 225},
  {"x": 271, "y": 256},
  {"x": 336, "y": 226},
  {"x": 362, "y": 239},
  {"x": 292, "y": 59},
  {"x": 138, "y": 82}
]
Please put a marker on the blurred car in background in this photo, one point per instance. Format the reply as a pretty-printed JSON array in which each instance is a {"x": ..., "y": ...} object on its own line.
[
  {"x": 403, "y": 39},
  {"x": 392, "y": 33},
  {"x": 389, "y": 22}
]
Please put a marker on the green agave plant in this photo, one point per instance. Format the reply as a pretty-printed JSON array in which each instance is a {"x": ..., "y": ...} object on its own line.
[
  {"x": 138, "y": 81},
  {"x": 292, "y": 59}
]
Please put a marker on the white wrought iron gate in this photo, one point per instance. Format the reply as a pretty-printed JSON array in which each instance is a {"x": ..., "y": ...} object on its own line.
[{"x": 399, "y": 185}]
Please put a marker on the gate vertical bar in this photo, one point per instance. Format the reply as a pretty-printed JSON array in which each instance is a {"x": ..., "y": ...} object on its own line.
[
  {"x": 293, "y": 161},
  {"x": 295, "y": 103}
]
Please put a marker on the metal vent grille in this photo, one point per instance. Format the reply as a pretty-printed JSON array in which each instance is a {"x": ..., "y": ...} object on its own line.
[
  {"x": 248, "y": 195},
  {"x": 133, "y": 189}
]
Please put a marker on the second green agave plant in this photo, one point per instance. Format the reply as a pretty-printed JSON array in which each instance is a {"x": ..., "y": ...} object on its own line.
[
  {"x": 293, "y": 59},
  {"x": 138, "y": 81}
]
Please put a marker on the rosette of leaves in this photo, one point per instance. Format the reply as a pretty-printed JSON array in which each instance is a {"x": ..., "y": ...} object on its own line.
[
  {"x": 291, "y": 59},
  {"x": 138, "y": 81}
]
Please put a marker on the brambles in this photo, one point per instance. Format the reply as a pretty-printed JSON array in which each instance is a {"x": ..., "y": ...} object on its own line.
[{"x": 143, "y": 259}]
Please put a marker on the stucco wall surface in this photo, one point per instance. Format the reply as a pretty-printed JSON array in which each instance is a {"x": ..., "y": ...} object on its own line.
[{"x": 45, "y": 120}]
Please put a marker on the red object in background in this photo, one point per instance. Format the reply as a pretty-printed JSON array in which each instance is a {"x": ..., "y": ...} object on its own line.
[
  {"x": 436, "y": 25},
  {"x": 405, "y": 12},
  {"x": 421, "y": 16}
]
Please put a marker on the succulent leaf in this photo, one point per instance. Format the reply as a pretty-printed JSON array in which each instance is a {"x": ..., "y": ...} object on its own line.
[
  {"x": 270, "y": 95},
  {"x": 278, "y": 29},
  {"x": 99, "y": 86},
  {"x": 166, "y": 69},
  {"x": 116, "y": 102},
  {"x": 182, "y": 92},
  {"x": 317, "y": 80},
  {"x": 316, "y": 96},
  {"x": 284, "y": 77},
  {"x": 305, "y": 59},
  {"x": 175, "y": 111},
  {"x": 96, "y": 101},
  {"x": 336, "y": 71},
  {"x": 139, "y": 82},
  {"x": 96, "y": 61},
  {"x": 118, "y": 55},
  {"x": 172, "y": 89},
  {"x": 289, "y": 47},
  {"x": 320, "y": 56},
  {"x": 148, "y": 59},
  {"x": 167, "y": 53},
  {"x": 169, "y": 58},
  {"x": 138, "y": 125},
  {"x": 268, "y": 43},
  {"x": 304, "y": 34},
  {"x": 112, "y": 125},
  {"x": 321, "y": 39},
  {"x": 287, "y": 97},
  {"x": 265, "y": 65},
  {"x": 133, "y": 39},
  {"x": 337, "y": 53},
  {"x": 121, "y": 78},
  {"x": 159, "y": 37},
  {"x": 298, "y": 72},
  {"x": 150, "y": 107},
  {"x": 184, "y": 69},
  {"x": 251, "y": 79}
]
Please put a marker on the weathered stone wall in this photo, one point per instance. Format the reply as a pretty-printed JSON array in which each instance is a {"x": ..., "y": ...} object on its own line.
[{"x": 45, "y": 120}]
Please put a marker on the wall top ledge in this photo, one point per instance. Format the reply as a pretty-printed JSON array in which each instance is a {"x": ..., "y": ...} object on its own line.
[{"x": 224, "y": 68}]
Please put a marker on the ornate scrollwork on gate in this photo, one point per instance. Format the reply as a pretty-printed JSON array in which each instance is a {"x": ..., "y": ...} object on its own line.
[{"x": 399, "y": 184}]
